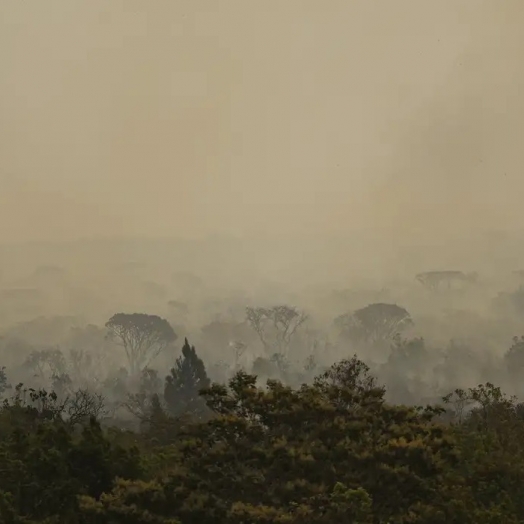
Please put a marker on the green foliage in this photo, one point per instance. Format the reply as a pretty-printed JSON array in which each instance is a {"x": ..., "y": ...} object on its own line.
[
  {"x": 46, "y": 466},
  {"x": 184, "y": 383},
  {"x": 328, "y": 452}
]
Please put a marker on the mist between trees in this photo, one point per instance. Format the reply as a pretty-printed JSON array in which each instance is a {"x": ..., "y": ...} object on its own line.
[
  {"x": 397, "y": 401},
  {"x": 394, "y": 404}
]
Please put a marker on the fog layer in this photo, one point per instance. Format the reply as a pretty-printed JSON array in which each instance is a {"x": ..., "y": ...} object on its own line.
[{"x": 188, "y": 118}]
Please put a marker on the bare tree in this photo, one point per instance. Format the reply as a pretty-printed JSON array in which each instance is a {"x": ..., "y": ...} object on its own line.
[
  {"x": 275, "y": 326},
  {"x": 76, "y": 408},
  {"x": 142, "y": 336},
  {"x": 83, "y": 405}
]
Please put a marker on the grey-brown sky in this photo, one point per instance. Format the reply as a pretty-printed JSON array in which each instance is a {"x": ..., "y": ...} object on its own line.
[{"x": 191, "y": 117}]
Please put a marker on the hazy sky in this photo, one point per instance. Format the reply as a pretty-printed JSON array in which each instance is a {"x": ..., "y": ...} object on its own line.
[{"x": 190, "y": 117}]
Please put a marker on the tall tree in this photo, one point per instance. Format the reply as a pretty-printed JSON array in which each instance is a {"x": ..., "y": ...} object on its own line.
[
  {"x": 374, "y": 323},
  {"x": 142, "y": 336},
  {"x": 275, "y": 326},
  {"x": 183, "y": 385}
]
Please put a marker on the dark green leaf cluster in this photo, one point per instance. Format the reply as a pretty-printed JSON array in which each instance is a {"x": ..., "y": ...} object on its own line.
[{"x": 329, "y": 452}]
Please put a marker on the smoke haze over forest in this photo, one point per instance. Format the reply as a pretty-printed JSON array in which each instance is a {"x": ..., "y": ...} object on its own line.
[
  {"x": 242, "y": 243},
  {"x": 399, "y": 120}
]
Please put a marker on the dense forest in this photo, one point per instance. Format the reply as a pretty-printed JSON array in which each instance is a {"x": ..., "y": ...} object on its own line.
[
  {"x": 333, "y": 450},
  {"x": 169, "y": 399},
  {"x": 164, "y": 438},
  {"x": 261, "y": 262}
]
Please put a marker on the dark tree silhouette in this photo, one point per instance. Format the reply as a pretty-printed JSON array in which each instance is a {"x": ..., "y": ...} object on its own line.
[
  {"x": 183, "y": 385},
  {"x": 352, "y": 374},
  {"x": 3, "y": 380},
  {"x": 142, "y": 336},
  {"x": 374, "y": 323}
]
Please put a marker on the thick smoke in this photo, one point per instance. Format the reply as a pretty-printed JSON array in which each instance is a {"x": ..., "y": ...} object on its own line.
[{"x": 279, "y": 119}]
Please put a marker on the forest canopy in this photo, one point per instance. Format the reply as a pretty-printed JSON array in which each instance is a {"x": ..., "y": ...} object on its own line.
[{"x": 327, "y": 452}]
